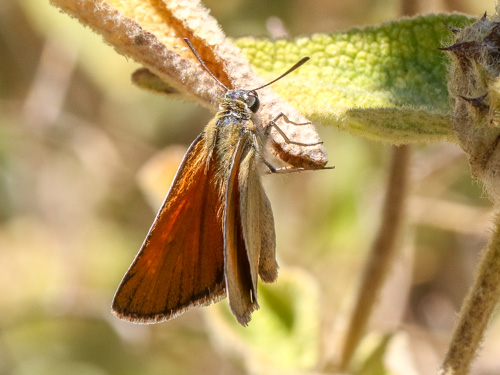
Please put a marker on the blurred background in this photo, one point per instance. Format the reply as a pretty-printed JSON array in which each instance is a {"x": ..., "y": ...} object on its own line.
[{"x": 84, "y": 155}]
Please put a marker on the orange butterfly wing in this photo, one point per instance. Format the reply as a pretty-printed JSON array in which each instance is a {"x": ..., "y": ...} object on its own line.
[{"x": 181, "y": 262}]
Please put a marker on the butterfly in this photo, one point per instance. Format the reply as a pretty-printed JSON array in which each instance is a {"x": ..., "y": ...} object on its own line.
[{"x": 214, "y": 234}]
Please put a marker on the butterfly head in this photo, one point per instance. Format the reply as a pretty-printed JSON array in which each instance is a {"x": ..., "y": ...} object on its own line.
[{"x": 249, "y": 97}]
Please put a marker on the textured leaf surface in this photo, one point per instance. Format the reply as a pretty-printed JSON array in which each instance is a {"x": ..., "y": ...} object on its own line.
[{"x": 386, "y": 82}]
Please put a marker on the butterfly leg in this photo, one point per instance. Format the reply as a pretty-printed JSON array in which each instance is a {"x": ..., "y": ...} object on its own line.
[
  {"x": 273, "y": 124},
  {"x": 283, "y": 170}
]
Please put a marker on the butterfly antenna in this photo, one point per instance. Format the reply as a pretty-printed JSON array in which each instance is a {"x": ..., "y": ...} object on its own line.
[
  {"x": 203, "y": 64},
  {"x": 296, "y": 66}
]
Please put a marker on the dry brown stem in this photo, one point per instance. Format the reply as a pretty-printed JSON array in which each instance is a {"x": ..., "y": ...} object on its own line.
[{"x": 381, "y": 254}]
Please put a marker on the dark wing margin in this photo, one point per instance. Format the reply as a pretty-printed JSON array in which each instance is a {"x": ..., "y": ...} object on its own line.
[{"x": 181, "y": 262}]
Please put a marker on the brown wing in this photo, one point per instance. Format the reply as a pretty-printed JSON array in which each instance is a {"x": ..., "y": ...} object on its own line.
[
  {"x": 239, "y": 266},
  {"x": 257, "y": 222},
  {"x": 180, "y": 264},
  {"x": 268, "y": 267}
]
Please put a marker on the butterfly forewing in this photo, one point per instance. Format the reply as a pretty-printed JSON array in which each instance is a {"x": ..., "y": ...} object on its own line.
[{"x": 180, "y": 264}]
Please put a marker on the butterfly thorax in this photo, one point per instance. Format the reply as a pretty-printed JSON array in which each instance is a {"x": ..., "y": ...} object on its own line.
[
  {"x": 231, "y": 128},
  {"x": 233, "y": 110},
  {"x": 233, "y": 123}
]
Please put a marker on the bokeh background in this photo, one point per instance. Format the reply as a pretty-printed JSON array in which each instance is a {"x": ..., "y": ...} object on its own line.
[{"x": 84, "y": 156}]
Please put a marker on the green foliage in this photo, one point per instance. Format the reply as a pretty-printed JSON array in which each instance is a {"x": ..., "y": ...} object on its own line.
[
  {"x": 284, "y": 333},
  {"x": 386, "y": 82}
]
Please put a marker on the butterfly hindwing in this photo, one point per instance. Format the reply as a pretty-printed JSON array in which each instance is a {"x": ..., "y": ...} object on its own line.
[
  {"x": 257, "y": 220},
  {"x": 241, "y": 285}
]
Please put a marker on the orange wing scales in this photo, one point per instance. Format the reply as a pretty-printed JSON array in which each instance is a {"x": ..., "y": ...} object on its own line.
[{"x": 181, "y": 263}]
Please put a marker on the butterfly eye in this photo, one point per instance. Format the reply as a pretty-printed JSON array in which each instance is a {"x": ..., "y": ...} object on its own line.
[{"x": 253, "y": 101}]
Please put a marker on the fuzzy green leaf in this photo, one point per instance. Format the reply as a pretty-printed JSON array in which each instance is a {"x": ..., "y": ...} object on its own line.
[{"x": 386, "y": 82}]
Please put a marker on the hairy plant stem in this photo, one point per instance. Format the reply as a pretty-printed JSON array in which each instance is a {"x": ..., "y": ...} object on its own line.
[
  {"x": 476, "y": 310},
  {"x": 473, "y": 85},
  {"x": 382, "y": 252}
]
